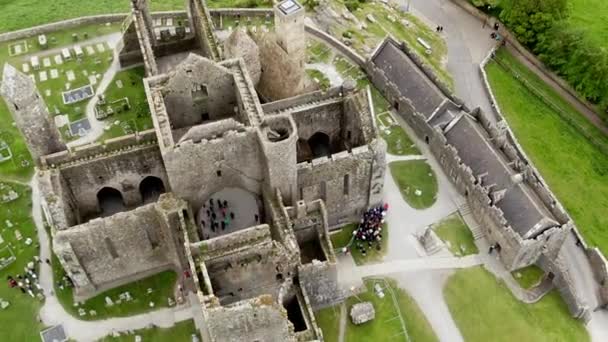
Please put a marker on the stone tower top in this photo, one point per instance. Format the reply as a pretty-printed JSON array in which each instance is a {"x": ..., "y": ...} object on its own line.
[
  {"x": 30, "y": 113},
  {"x": 289, "y": 16}
]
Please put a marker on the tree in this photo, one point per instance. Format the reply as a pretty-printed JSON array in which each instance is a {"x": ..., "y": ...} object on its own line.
[{"x": 530, "y": 19}]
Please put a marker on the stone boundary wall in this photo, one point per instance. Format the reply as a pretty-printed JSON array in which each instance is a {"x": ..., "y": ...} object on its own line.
[
  {"x": 510, "y": 38},
  {"x": 596, "y": 259},
  {"x": 242, "y": 11},
  {"x": 81, "y": 21},
  {"x": 343, "y": 49}
]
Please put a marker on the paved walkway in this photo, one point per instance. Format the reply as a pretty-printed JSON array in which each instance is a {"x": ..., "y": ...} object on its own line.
[{"x": 468, "y": 44}]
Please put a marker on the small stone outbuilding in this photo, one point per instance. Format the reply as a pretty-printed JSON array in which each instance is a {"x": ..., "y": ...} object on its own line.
[{"x": 362, "y": 312}]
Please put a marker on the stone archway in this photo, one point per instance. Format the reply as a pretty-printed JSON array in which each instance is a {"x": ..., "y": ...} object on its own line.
[
  {"x": 110, "y": 201},
  {"x": 320, "y": 145},
  {"x": 150, "y": 189}
]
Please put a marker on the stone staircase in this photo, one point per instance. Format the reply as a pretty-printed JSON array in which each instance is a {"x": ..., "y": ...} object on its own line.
[
  {"x": 307, "y": 105},
  {"x": 248, "y": 100},
  {"x": 465, "y": 211}
]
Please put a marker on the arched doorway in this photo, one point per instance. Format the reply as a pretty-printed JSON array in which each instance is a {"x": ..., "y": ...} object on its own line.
[
  {"x": 151, "y": 188},
  {"x": 110, "y": 201},
  {"x": 320, "y": 145},
  {"x": 227, "y": 211}
]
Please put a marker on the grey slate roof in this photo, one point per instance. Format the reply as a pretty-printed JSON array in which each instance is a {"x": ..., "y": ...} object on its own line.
[
  {"x": 53, "y": 334},
  {"x": 412, "y": 82},
  {"x": 519, "y": 204}
]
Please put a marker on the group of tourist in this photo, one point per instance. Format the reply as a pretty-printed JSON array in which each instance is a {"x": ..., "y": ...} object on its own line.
[
  {"x": 368, "y": 234},
  {"x": 27, "y": 282},
  {"x": 219, "y": 216}
]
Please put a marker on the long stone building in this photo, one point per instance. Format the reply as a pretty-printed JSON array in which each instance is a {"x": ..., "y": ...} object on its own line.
[
  {"x": 289, "y": 169},
  {"x": 518, "y": 215}
]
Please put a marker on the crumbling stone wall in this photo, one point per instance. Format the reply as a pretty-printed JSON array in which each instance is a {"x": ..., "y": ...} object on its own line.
[
  {"x": 198, "y": 87},
  {"x": 108, "y": 252},
  {"x": 259, "y": 319}
]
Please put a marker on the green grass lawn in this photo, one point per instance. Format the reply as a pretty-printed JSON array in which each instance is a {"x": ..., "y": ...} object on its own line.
[
  {"x": 397, "y": 141},
  {"x": 485, "y": 310},
  {"x": 180, "y": 332},
  {"x": 528, "y": 277},
  {"x": 20, "y": 14},
  {"x": 138, "y": 117},
  {"x": 328, "y": 320},
  {"x": 455, "y": 233},
  {"x": 19, "y": 322},
  {"x": 576, "y": 171},
  {"x": 319, "y": 78},
  {"x": 162, "y": 285},
  {"x": 343, "y": 237},
  {"x": 391, "y": 21},
  {"x": 318, "y": 52},
  {"x": 20, "y": 166},
  {"x": 413, "y": 175},
  {"x": 387, "y": 325}
]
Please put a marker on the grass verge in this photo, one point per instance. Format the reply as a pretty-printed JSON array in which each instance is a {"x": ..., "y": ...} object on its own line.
[
  {"x": 181, "y": 331},
  {"x": 456, "y": 235},
  {"x": 528, "y": 277},
  {"x": 485, "y": 310},
  {"x": 342, "y": 238},
  {"x": 416, "y": 181}
]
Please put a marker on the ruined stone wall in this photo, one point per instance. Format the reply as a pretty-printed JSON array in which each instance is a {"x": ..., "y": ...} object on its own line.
[
  {"x": 58, "y": 202},
  {"x": 280, "y": 156},
  {"x": 203, "y": 28},
  {"x": 282, "y": 76},
  {"x": 320, "y": 281},
  {"x": 232, "y": 243},
  {"x": 600, "y": 271},
  {"x": 185, "y": 107},
  {"x": 260, "y": 319},
  {"x": 115, "y": 250},
  {"x": 198, "y": 169},
  {"x": 324, "y": 178},
  {"x": 123, "y": 172}
]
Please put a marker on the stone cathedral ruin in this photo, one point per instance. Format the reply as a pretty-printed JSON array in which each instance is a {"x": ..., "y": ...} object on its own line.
[
  {"x": 301, "y": 162},
  {"x": 241, "y": 122}
]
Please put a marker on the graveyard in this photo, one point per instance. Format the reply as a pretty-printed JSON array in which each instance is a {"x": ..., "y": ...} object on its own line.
[
  {"x": 182, "y": 331},
  {"x": 18, "y": 247}
]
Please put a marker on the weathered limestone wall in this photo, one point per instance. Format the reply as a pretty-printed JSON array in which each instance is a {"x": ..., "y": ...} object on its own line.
[
  {"x": 108, "y": 252},
  {"x": 123, "y": 172},
  {"x": 280, "y": 156},
  {"x": 260, "y": 319},
  {"x": 186, "y": 104},
  {"x": 320, "y": 280},
  {"x": 193, "y": 167},
  {"x": 318, "y": 95},
  {"x": 325, "y": 178}
]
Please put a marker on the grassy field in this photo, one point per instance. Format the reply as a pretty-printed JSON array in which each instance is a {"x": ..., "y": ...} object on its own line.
[
  {"x": 412, "y": 176},
  {"x": 328, "y": 320},
  {"x": 319, "y": 78},
  {"x": 19, "y": 321},
  {"x": 137, "y": 117},
  {"x": 21, "y": 166},
  {"x": 343, "y": 237},
  {"x": 180, "y": 332},
  {"x": 528, "y": 277},
  {"x": 239, "y": 3},
  {"x": 485, "y": 310},
  {"x": 576, "y": 171},
  {"x": 397, "y": 141},
  {"x": 387, "y": 325},
  {"x": 162, "y": 285},
  {"x": 20, "y": 14},
  {"x": 455, "y": 233},
  {"x": 592, "y": 16}
]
